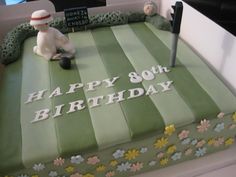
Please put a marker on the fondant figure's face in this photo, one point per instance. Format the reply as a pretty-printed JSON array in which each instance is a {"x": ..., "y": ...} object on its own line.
[
  {"x": 41, "y": 27},
  {"x": 149, "y": 9}
]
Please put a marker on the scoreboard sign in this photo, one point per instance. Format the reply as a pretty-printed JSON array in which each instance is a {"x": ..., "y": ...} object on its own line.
[{"x": 76, "y": 17}]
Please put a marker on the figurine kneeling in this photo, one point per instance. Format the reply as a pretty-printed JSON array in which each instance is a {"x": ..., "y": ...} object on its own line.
[{"x": 50, "y": 40}]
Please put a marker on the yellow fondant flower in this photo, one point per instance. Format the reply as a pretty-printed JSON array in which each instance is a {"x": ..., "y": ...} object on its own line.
[
  {"x": 160, "y": 143},
  {"x": 88, "y": 175},
  {"x": 69, "y": 169},
  {"x": 229, "y": 141},
  {"x": 131, "y": 154},
  {"x": 234, "y": 117},
  {"x": 113, "y": 163},
  {"x": 164, "y": 161},
  {"x": 169, "y": 130},
  {"x": 211, "y": 142},
  {"x": 34, "y": 176},
  {"x": 100, "y": 168},
  {"x": 171, "y": 149}
]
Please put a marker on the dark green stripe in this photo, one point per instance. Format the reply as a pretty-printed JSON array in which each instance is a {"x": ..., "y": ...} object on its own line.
[
  {"x": 199, "y": 101},
  {"x": 141, "y": 114},
  {"x": 75, "y": 131},
  {"x": 10, "y": 127}
]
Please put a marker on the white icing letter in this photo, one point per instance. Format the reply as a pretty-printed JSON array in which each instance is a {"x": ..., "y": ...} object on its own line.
[
  {"x": 110, "y": 83},
  {"x": 41, "y": 115},
  {"x": 165, "y": 85},
  {"x": 135, "y": 78},
  {"x": 35, "y": 96},
  {"x": 116, "y": 97},
  {"x": 159, "y": 69},
  {"x": 76, "y": 105},
  {"x": 151, "y": 90},
  {"x": 148, "y": 75},
  {"x": 56, "y": 92},
  {"x": 58, "y": 111},
  {"x": 136, "y": 92},
  {"x": 95, "y": 101},
  {"x": 93, "y": 84},
  {"x": 74, "y": 86}
]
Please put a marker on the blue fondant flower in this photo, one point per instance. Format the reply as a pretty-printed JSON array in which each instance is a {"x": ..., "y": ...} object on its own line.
[
  {"x": 186, "y": 141},
  {"x": 194, "y": 142},
  {"x": 219, "y": 127},
  {"x": 176, "y": 156},
  {"x": 38, "y": 167},
  {"x": 76, "y": 159},
  {"x": 152, "y": 163},
  {"x": 123, "y": 167},
  {"x": 53, "y": 174},
  {"x": 200, "y": 152},
  {"x": 23, "y": 175},
  {"x": 118, "y": 154},
  {"x": 143, "y": 150}
]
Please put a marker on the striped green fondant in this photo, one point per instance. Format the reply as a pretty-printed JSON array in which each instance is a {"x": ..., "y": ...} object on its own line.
[
  {"x": 138, "y": 110},
  {"x": 199, "y": 101},
  {"x": 171, "y": 106},
  {"x": 74, "y": 130},
  {"x": 10, "y": 128},
  {"x": 39, "y": 140},
  {"x": 202, "y": 74},
  {"x": 91, "y": 68}
]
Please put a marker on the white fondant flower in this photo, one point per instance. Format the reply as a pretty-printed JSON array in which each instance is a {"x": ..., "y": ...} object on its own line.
[
  {"x": 123, "y": 167},
  {"x": 76, "y": 159},
  {"x": 176, "y": 156},
  {"x": 203, "y": 126},
  {"x": 152, "y": 163},
  {"x": 186, "y": 141},
  {"x": 200, "y": 152},
  {"x": 38, "y": 167},
  {"x": 53, "y": 174},
  {"x": 221, "y": 115},
  {"x": 194, "y": 142},
  {"x": 219, "y": 127},
  {"x": 23, "y": 175},
  {"x": 143, "y": 150},
  {"x": 118, "y": 154}
]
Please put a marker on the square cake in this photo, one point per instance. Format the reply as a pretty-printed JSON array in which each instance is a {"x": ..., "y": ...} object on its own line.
[{"x": 119, "y": 111}]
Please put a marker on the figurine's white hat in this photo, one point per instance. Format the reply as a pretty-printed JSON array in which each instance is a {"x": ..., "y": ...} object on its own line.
[{"x": 40, "y": 17}]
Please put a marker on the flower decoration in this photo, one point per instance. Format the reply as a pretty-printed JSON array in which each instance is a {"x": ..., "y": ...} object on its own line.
[
  {"x": 33, "y": 176},
  {"x": 200, "y": 152},
  {"x": 234, "y": 117},
  {"x": 176, "y": 156},
  {"x": 183, "y": 134},
  {"x": 169, "y": 130},
  {"x": 143, "y": 150},
  {"x": 171, "y": 149},
  {"x": 136, "y": 167},
  {"x": 39, "y": 167},
  {"x": 59, "y": 161},
  {"x": 160, "y": 143},
  {"x": 23, "y": 175},
  {"x": 200, "y": 143},
  {"x": 69, "y": 169},
  {"x": 52, "y": 174},
  {"x": 194, "y": 142},
  {"x": 131, "y": 154},
  {"x": 110, "y": 174},
  {"x": 204, "y": 125},
  {"x": 185, "y": 141},
  {"x": 76, "y": 175},
  {"x": 113, "y": 163},
  {"x": 100, "y": 168},
  {"x": 188, "y": 151},
  {"x": 76, "y": 159},
  {"x": 88, "y": 175},
  {"x": 152, "y": 163},
  {"x": 219, "y": 127},
  {"x": 229, "y": 141},
  {"x": 93, "y": 160},
  {"x": 160, "y": 155},
  {"x": 221, "y": 115},
  {"x": 218, "y": 142},
  {"x": 164, "y": 161},
  {"x": 123, "y": 167},
  {"x": 232, "y": 126},
  {"x": 118, "y": 154},
  {"x": 211, "y": 142}
]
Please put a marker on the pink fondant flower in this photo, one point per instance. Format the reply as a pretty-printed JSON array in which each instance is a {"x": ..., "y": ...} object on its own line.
[
  {"x": 59, "y": 161},
  {"x": 183, "y": 134},
  {"x": 93, "y": 160},
  {"x": 232, "y": 126},
  {"x": 110, "y": 174},
  {"x": 136, "y": 167},
  {"x": 221, "y": 115},
  {"x": 76, "y": 175},
  {"x": 188, "y": 151},
  {"x": 218, "y": 142},
  {"x": 204, "y": 125},
  {"x": 200, "y": 143},
  {"x": 160, "y": 155}
]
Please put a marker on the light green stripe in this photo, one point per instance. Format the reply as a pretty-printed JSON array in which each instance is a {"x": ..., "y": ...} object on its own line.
[
  {"x": 39, "y": 140},
  {"x": 109, "y": 129},
  {"x": 221, "y": 95},
  {"x": 171, "y": 106}
]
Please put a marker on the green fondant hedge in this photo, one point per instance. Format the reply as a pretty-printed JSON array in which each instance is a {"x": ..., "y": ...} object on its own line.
[{"x": 11, "y": 49}]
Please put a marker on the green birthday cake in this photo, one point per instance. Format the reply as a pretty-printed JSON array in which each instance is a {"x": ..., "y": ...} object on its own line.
[{"x": 119, "y": 111}]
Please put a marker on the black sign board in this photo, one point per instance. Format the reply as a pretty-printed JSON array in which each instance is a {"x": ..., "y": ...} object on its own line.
[{"x": 76, "y": 17}]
